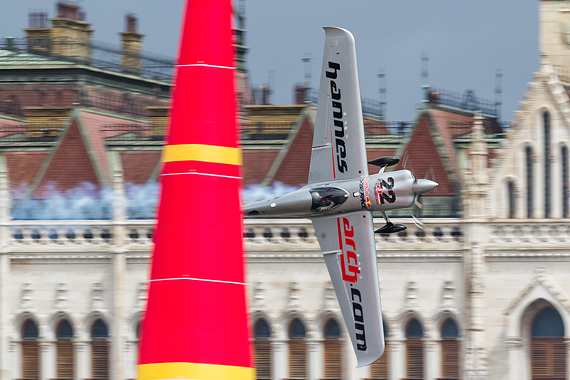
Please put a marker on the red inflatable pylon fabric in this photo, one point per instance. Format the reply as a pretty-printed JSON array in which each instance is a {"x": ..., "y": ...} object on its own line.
[{"x": 196, "y": 324}]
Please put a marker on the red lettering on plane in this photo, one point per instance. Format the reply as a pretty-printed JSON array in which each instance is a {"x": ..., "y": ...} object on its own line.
[{"x": 348, "y": 259}]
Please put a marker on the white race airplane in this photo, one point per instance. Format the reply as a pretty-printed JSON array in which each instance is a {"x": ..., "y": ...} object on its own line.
[{"x": 341, "y": 195}]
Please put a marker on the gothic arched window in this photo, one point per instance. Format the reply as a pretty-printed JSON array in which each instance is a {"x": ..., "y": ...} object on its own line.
[
  {"x": 414, "y": 350},
  {"x": 512, "y": 200},
  {"x": 546, "y": 124},
  {"x": 548, "y": 349},
  {"x": 65, "y": 357},
  {"x": 380, "y": 369},
  {"x": 450, "y": 350},
  {"x": 565, "y": 193},
  {"x": 99, "y": 350},
  {"x": 297, "y": 350},
  {"x": 30, "y": 351},
  {"x": 529, "y": 182},
  {"x": 262, "y": 350},
  {"x": 333, "y": 350}
]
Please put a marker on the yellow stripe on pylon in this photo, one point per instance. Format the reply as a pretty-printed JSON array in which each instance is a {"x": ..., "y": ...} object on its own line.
[
  {"x": 195, "y": 371},
  {"x": 200, "y": 152}
]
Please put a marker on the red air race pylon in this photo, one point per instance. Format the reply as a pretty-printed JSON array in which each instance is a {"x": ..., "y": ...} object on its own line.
[{"x": 196, "y": 324}]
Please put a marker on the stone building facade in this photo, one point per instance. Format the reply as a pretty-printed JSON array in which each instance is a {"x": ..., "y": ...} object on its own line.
[{"x": 482, "y": 292}]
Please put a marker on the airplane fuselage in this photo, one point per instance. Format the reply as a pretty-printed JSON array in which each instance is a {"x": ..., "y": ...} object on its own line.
[{"x": 377, "y": 192}]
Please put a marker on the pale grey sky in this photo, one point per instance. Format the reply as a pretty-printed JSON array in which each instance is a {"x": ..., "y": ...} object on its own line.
[{"x": 465, "y": 41}]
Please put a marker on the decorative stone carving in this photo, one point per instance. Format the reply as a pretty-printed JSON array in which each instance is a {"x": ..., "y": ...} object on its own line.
[
  {"x": 411, "y": 294},
  {"x": 61, "y": 296},
  {"x": 27, "y": 295},
  {"x": 258, "y": 296},
  {"x": 329, "y": 297},
  {"x": 294, "y": 295},
  {"x": 513, "y": 343},
  {"x": 142, "y": 295},
  {"x": 447, "y": 296},
  {"x": 97, "y": 296},
  {"x": 476, "y": 364}
]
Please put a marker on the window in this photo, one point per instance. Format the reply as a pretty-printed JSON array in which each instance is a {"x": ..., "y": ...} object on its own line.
[
  {"x": 548, "y": 350},
  {"x": 380, "y": 370},
  {"x": 327, "y": 198},
  {"x": 546, "y": 124},
  {"x": 65, "y": 361},
  {"x": 333, "y": 351},
  {"x": 414, "y": 350},
  {"x": 99, "y": 350},
  {"x": 512, "y": 199},
  {"x": 30, "y": 351},
  {"x": 565, "y": 193},
  {"x": 450, "y": 368},
  {"x": 529, "y": 182},
  {"x": 297, "y": 350},
  {"x": 262, "y": 350}
]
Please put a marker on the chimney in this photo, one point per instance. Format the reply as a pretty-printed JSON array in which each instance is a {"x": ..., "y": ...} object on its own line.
[
  {"x": 132, "y": 45},
  {"x": 38, "y": 33},
  {"x": 300, "y": 94},
  {"x": 158, "y": 117},
  {"x": 70, "y": 34}
]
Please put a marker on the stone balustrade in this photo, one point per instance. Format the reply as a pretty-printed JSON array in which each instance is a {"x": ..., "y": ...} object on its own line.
[
  {"x": 259, "y": 235},
  {"x": 540, "y": 232}
]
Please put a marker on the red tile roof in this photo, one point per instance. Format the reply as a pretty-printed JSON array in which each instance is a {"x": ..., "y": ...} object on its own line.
[
  {"x": 69, "y": 167},
  {"x": 256, "y": 165},
  {"x": 294, "y": 168},
  {"x": 23, "y": 168},
  {"x": 97, "y": 129},
  {"x": 422, "y": 157},
  {"x": 138, "y": 166}
]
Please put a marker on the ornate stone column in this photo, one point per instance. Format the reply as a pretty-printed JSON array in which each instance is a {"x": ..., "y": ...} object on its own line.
[
  {"x": 514, "y": 345},
  {"x": 475, "y": 202},
  {"x": 47, "y": 370},
  {"x": 397, "y": 364},
  {"x": 119, "y": 269},
  {"x": 5, "y": 223},
  {"x": 433, "y": 359},
  {"x": 82, "y": 362},
  {"x": 279, "y": 359},
  {"x": 313, "y": 362}
]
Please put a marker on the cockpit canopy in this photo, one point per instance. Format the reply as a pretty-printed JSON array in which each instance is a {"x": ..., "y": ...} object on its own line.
[{"x": 327, "y": 198}]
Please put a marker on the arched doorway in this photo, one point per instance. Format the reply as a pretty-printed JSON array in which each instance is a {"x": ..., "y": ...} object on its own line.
[
  {"x": 30, "y": 351},
  {"x": 297, "y": 350},
  {"x": 262, "y": 350},
  {"x": 380, "y": 369},
  {"x": 65, "y": 356},
  {"x": 548, "y": 350},
  {"x": 414, "y": 350},
  {"x": 99, "y": 351},
  {"x": 333, "y": 350},
  {"x": 450, "y": 358}
]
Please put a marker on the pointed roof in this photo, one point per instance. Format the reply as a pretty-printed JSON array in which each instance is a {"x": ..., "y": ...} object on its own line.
[
  {"x": 291, "y": 167},
  {"x": 69, "y": 164},
  {"x": 427, "y": 154}
]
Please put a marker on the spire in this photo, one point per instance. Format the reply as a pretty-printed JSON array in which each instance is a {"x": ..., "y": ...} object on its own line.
[{"x": 476, "y": 177}]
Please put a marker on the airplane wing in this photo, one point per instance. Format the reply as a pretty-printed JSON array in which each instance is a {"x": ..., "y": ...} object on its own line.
[
  {"x": 338, "y": 141},
  {"x": 349, "y": 249}
]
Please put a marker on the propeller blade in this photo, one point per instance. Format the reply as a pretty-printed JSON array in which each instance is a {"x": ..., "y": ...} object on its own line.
[{"x": 418, "y": 211}]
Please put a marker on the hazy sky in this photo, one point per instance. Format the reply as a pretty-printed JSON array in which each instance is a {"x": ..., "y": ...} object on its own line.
[{"x": 466, "y": 41}]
